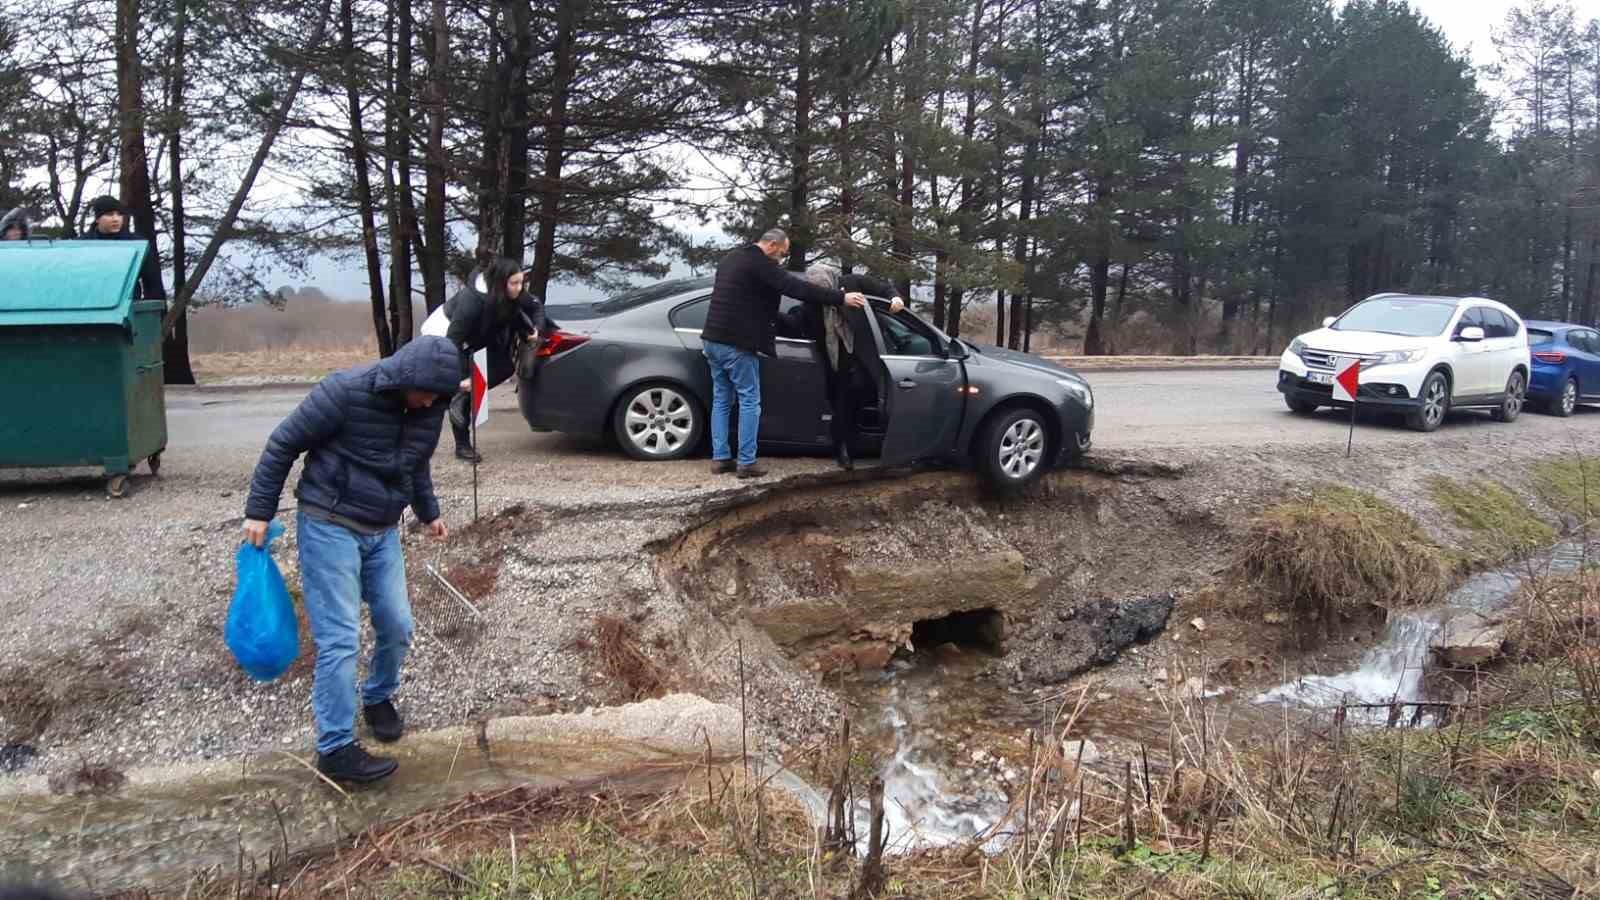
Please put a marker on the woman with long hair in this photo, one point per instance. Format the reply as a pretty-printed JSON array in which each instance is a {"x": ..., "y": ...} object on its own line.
[{"x": 492, "y": 310}]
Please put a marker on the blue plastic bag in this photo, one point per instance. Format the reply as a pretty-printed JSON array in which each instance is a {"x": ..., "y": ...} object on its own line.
[{"x": 262, "y": 631}]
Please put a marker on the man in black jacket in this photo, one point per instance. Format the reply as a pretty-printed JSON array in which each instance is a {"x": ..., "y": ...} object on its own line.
[
  {"x": 109, "y": 218},
  {"x": 368, "y": 434},
  {"x": 742, "y": 323}
]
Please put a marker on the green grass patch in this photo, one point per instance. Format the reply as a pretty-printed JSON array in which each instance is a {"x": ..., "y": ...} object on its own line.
[
  {"x": 1570, "y": 485},
  {"x": 1338, "y": 554},
  {"x": 1501, "y": 526}
]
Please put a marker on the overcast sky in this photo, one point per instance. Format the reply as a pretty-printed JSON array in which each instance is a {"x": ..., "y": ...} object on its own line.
[{"x": 1466, "y": 23}]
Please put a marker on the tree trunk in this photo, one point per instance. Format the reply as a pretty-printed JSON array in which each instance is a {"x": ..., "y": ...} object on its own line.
[
  {"x": 514, "y": 177},
  {"x": 969, "y": 127},
  {"x": 800, "y": 234},
  {"x": 175, "y": 350},
  {"x": 491, "y": 201},
  {"x": 230, "y": 216},
  {"x": 364, "y": 211},
  {"x": 433, "y": 210},
  {"x": 1094, "y": 338},
  {"x": 910, "y": 122},
  {"x": 400, "y": 326},
  {"x": 550, "y": 187}
]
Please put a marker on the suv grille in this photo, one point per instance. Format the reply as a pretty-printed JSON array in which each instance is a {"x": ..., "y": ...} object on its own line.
[{"x": 1324, "y": 360}]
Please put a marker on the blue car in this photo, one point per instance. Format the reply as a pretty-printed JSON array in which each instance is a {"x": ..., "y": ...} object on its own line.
[{"x": 1566, "y": 366}]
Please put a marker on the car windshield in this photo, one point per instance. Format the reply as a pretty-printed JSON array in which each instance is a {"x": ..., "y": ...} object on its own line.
[
  {"x": 1537, "y": 336},
  {"x": 641, "y": 296},
  {"x": 1410, "y": 318}
]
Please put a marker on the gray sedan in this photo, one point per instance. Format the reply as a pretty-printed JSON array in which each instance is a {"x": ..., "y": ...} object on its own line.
[{"x": 631, "y": 367}]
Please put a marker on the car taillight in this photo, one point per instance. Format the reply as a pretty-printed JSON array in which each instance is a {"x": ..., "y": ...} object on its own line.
[
  {"x": 558, "y": 342},
  {"x": 1550, "y": 356}
]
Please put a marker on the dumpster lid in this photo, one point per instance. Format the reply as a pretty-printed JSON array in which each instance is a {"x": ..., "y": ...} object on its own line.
[{"x": 68, "y": 282}]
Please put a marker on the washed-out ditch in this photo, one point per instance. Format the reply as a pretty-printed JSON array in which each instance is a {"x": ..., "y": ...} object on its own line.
[{"x": 944, "y": 623}]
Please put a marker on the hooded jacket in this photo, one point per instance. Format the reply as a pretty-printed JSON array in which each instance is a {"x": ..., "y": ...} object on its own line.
[
  {"x": 18, "y": 216},
  {"x": 367, "y": 454}
]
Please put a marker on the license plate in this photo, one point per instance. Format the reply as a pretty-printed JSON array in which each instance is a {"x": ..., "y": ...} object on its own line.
[{"x": 1320, "y": 378}]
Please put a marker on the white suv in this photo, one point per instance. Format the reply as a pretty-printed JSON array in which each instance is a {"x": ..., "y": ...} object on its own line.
[{"x": 1422, "y": 356}]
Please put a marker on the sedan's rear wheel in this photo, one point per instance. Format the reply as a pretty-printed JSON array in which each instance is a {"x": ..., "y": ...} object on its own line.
[
  {"x": 1013, "y": 448},
  {"x": 1511, "y": 404},
  {"x": 1567, "y": 403},
  {"x": 1435, "y": 402},
  {"x": 658, "y": 422}
]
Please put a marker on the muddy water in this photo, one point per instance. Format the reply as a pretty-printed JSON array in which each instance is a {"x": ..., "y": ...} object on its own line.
[
  {"x": 927, "y": 713},
  {"x": 1393, "y": 669},
  {"x": 159, "y": 833}
]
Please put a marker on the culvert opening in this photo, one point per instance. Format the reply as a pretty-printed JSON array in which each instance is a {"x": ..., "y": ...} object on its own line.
[{"x": 972, "y": 629}]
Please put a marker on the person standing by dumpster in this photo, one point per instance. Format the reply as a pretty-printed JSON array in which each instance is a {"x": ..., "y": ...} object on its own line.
[
  {"x": 110, "y": 221},
  {"x": 14, "y": 225},
  {"x": 368, "y": 435},
  {"x": 741, "y": 323}
]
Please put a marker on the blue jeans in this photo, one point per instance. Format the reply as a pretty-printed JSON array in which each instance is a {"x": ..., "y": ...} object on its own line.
[
  {"x": 734, "y": 371},
  {"x": 338, "y": 569}
]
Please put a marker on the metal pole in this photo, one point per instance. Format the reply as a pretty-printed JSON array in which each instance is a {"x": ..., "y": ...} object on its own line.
[
  {"x": 472, "y": 410},
  {"x": 1347, "y": 445}
]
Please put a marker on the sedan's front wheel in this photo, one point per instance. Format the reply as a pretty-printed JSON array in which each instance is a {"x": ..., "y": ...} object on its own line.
[
  {"x": 1012, "y": 448},
  {"x": 658, "y": 422}
]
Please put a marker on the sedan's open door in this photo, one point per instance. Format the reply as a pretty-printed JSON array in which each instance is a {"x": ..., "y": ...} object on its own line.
[{"x": 922, "y": 396}]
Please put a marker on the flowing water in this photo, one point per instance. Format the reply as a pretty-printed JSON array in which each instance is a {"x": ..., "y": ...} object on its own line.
[
  {"x": 158, "y": 834},
  {"x": 1393, "y": 668}
]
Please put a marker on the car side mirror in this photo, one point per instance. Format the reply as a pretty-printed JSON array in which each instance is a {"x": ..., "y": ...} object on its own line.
[
  {"x": 955, "y": 350},
  {"x": 1470, "y": 334},
  {"x": 1328, "y": 322}
]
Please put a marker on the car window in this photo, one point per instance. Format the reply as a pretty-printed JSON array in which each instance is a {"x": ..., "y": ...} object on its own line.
[
  {"x": 641, "y": 296},
  {"x": 1590, "y": 341},
  {"x": 1496, "y": 324},
  {"x": 1472, "y": 318},
  {"x": 899, "y": 339},
  {"x": 1410, "y": 317},
  {"x": 1537, "y": 336},
  {"x": 691, "y": 315}
]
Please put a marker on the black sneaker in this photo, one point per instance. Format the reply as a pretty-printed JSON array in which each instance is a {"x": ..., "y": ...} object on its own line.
[
  {"x": 721, "y": 466},
  {"x": 753, "y": 470},
  {"x": 353, "y": 764},
  {"x": 468, "y": 454},
  {"x": 385, "y": 722}
]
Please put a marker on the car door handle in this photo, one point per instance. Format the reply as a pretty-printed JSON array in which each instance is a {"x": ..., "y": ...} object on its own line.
[{"x": 905, "y": 384}]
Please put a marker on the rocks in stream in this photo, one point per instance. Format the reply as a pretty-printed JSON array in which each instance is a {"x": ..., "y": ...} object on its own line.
[
  {"x": 1467, "y": 640},
  {"x": 1094, "y": 634}
]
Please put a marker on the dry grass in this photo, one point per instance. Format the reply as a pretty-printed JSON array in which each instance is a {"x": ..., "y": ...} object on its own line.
[
  {"x": 282, "y": 363},
  {"x": 620, "y": 654},
  {"x": 1337, "y": 555},
  {"x": 68, "y": 692}
]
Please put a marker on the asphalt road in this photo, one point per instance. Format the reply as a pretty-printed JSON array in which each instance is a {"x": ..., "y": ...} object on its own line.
[{"x": 1134, "y": 410}]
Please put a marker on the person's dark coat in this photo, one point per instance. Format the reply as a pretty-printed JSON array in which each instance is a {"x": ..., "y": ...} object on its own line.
[
  {"x": 805, "y": 320},
  {"x": 367, "y": 453},
  {"x": 150, "y": 287},
  {"x": 17, "y": 217},
  {"x": 745, "y": 297},
  {"x": 476, "y": 321}
]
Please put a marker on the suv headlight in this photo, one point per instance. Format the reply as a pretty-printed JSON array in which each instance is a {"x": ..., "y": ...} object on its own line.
[
  {"x": 1296, "y": 345},
  {"x": 1080, "y": 390},
  {"x": 1398, "y": 356}
]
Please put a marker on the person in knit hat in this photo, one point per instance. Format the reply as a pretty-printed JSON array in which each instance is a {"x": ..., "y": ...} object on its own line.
[
  {"x": 14, "y": 225},
  {"x": 110, "y": 224}
]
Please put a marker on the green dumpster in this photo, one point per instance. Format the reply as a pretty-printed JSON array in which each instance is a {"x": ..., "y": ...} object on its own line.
[{"x": 80, "y": 358}]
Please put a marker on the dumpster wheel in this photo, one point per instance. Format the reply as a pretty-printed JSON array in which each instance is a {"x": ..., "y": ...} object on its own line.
[
  {"x": 116, "y": 484},
  {"x": 155, "y": 463}
]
